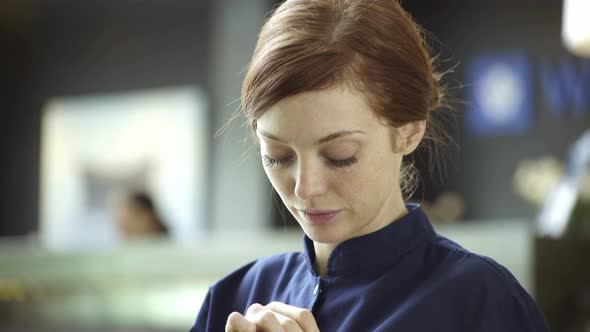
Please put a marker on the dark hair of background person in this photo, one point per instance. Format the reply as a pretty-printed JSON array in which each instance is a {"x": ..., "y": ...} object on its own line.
[{"x": 144, "y": 201}]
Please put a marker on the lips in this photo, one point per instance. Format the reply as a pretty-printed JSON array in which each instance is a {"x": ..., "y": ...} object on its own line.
[{"x": 320, "y": 217}]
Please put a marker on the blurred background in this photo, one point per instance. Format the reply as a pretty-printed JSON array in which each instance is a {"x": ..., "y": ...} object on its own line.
[{"x": 119, "y": 204}]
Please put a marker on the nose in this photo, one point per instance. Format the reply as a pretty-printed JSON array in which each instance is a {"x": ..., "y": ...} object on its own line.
[{"x": 310, "y": 181}]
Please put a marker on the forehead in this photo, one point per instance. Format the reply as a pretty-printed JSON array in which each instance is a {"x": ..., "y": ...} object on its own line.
[{"x": 313, "y": 114}]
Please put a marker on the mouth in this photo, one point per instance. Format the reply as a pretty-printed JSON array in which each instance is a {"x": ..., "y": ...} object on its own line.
[{"x": 320, "y": 216}]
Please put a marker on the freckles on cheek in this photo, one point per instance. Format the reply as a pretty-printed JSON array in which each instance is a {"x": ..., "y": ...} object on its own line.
[
  {"x": 351, "y": 183},
  {"x": 369, "y": 177}
]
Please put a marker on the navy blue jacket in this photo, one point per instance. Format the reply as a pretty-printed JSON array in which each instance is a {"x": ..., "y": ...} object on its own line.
[{"x": 403, "y": 277}]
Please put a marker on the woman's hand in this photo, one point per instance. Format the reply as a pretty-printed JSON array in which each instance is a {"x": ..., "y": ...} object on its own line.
[{"x": 273, "y": 317}]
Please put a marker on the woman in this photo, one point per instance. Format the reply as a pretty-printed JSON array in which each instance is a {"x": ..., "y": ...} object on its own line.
[{"x": 338, "y": 93}]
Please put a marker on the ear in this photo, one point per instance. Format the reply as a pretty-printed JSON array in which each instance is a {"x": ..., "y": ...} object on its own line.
[{"x": 407, "y": 137}]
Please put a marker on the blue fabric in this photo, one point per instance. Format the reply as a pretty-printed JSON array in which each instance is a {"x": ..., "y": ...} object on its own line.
[{"x": 404, "y": 277}]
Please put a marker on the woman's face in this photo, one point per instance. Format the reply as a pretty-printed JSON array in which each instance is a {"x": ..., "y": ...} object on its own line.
[{"x": 326, "y": 153}]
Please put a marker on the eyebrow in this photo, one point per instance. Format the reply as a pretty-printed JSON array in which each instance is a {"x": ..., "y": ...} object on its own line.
[{"x": 324, "y": 139}]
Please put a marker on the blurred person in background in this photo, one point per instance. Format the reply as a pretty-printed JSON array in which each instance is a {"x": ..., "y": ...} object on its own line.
[
  {"x": 339, "y": 94},
  {"x": 135, "y": 215}
]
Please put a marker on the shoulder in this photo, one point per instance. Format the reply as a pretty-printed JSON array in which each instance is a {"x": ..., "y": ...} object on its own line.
[
  {"x": 493, "y": 295},
  {"x": 470, "y": 266}
]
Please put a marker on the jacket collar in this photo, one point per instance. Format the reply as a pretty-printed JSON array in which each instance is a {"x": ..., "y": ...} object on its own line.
[{"x": 376, "y": 252}]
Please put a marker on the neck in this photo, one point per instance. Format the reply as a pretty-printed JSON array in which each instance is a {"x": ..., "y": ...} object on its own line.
[
  {"x": 390, "y": 213},
  {"x": 322, "y": 253}
]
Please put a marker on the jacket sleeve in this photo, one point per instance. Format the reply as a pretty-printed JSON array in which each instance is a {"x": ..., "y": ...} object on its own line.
[
  {"x": 509, "y": 308},
  {"x": 522, "y": 313},
  {"x": 202, "y": 323},
  {"x": 229, "y": 294}
]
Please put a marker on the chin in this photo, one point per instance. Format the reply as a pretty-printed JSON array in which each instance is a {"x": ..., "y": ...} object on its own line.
[{"x": 333, "y": 235}]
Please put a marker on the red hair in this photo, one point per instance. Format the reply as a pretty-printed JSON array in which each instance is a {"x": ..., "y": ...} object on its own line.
[{"x": 372, "y": 45}]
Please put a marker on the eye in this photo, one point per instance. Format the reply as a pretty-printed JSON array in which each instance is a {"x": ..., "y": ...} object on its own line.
[
  {"x": 343, "y": 162},
  {"x": 339, "y": 163},
  {"x": 270, "y": 162}
]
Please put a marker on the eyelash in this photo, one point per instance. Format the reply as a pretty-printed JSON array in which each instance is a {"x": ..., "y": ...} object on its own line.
[{"x": 339, "y": 163}]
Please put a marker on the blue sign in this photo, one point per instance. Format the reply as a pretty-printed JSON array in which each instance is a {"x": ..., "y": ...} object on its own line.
[
  {"x": 499, "y": 95},
  {"x": 566, "y": 86}
]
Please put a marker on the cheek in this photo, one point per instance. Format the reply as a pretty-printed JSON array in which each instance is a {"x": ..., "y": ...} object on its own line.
[
  {"x": 369, "y": 184},
  {"x": 350, "y": 186},
  {"x": 279, "y": 182}
]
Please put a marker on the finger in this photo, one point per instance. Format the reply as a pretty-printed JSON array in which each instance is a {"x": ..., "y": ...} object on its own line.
[
  {"x": 256, "y": 313},
  {"x": 303, "y": 317},
  {"x": 288, "y": 324},
  {"x": 264, "y": 319},
  {"x": 238, "y": 323}
]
